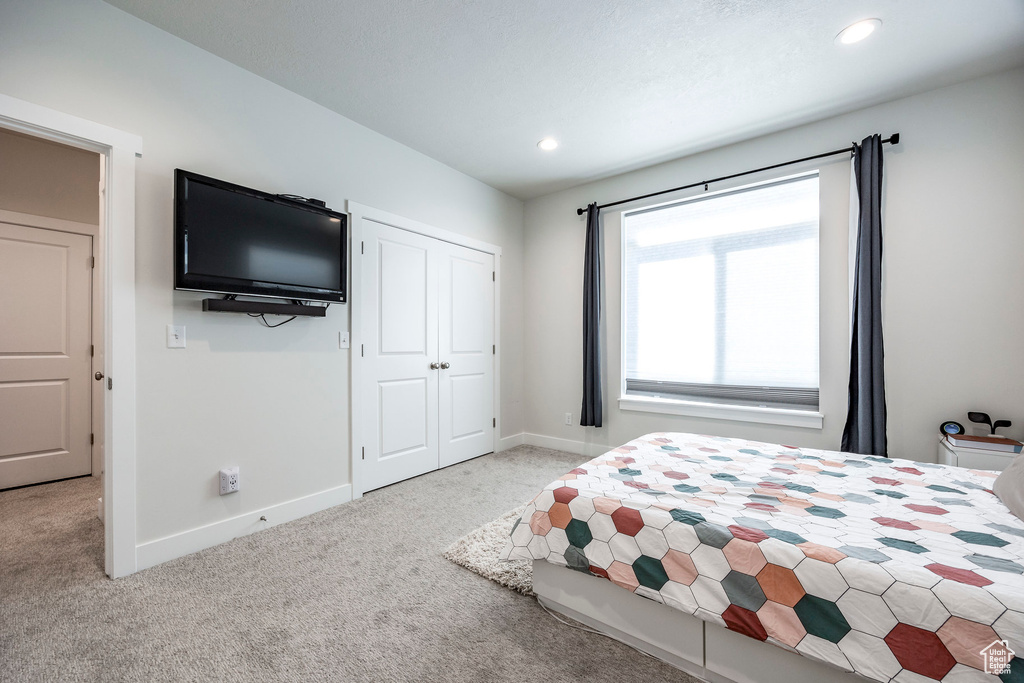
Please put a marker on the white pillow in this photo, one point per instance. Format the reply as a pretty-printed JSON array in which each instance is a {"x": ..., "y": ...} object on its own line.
[{"x": 1009, "y": 487}]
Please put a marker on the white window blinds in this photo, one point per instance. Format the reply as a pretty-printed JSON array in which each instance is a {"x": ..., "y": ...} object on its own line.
[{"x": 721, "y": 296}]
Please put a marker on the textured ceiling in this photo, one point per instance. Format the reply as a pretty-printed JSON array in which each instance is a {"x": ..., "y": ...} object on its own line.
[{"x": 620, "y": 84}]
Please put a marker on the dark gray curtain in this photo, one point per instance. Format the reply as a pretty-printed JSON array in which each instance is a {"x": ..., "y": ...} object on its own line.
[
  {"x": 591, "y": 413},
  {"x": 865, "y": 418}
]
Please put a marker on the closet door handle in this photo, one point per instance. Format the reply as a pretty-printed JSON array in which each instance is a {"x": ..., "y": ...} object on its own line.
[
  {"x": 445, "y": 365},
  {"x": 434, "y": 366}
]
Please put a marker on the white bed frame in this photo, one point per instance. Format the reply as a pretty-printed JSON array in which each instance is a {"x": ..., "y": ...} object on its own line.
[{"x": 707, "y": 651}]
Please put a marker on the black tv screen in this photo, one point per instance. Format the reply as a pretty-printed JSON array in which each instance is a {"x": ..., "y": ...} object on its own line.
[{"x": 234, "y": 240}]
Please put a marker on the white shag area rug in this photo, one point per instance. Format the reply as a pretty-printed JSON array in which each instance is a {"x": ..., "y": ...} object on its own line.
[{"x": 478, "y": 551}]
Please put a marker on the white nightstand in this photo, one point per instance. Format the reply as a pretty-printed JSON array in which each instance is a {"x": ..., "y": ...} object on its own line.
[{"x": 973, "y": 458}]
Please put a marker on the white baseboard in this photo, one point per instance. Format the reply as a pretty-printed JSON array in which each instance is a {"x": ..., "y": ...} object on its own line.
[
  {"x": 591, "y": 450},
  {"x": 177, "y": 545},
  {"x": 507, "y": 442}
]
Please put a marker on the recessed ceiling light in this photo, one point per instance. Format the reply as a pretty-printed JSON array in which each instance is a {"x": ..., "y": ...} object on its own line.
[
  {"x": 548, "y": 144},
  {"x": 854, "y": 33}
]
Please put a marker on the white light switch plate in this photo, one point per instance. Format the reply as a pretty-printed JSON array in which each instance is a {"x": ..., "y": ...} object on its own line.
[
  {"x": 343, "y": 340},
  {"x": 175, "y": 336}
]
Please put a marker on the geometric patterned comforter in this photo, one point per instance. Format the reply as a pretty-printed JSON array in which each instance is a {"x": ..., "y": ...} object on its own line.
[{"x": 894, "y": 569}]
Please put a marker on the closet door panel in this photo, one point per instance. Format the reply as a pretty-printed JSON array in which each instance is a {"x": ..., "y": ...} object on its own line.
[
  {"x": 466, "y": 338},
  {"x": 399, "y": 389}
]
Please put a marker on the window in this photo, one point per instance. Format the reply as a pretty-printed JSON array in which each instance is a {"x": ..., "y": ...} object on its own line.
[{"x": 721, "y": 297}]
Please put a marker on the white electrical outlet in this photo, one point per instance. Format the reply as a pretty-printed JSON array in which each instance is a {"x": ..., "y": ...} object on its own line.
[
  {"x": 228, "y": 480},
  {"x": 568, "y": 419},
  {"x": 343, "y": 340},
  {"x": 175, "y": 336}
]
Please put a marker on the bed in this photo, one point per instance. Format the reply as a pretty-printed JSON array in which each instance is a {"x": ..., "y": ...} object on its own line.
[{"x": 885, "y": 569}]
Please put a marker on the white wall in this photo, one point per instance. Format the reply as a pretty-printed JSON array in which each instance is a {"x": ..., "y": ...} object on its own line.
[
  {"x": 46, "y": 178},
  {"x": 953, "y": 284},
  {"x": 274, "y": 402}
]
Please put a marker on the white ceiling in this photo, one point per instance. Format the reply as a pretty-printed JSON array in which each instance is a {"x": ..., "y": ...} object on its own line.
[{"x": 620, "y": 84}]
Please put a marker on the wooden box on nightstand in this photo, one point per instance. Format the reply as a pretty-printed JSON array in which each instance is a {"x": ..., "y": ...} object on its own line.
[{"x": 973, "y": 458}]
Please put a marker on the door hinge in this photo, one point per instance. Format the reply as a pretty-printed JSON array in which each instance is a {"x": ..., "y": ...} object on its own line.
[
  {"x": 92, "y": 439},
  {"x": 494, "y": 278},
  {"x": 92, "y": 350},
  {"x": 110, "y": 384},
  {"x": 92, "y": 261},
  {"x": 362, "y": 247},
  {"x": 494, "y": 422},
  {"x": 362, "y": 350},
  {"x": 364, "y": 452},
  {"x": 494, "y": 349}
]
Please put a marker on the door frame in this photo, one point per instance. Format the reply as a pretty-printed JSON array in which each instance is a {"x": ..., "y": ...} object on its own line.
[
  {"x": 115, "y": 250},
  {"x": 358, "y": 213}
]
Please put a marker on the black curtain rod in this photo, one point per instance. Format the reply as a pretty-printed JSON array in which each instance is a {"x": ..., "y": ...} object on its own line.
[{"x": 894, "y": 139}]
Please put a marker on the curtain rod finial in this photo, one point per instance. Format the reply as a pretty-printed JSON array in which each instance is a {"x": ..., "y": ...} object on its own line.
[
  {"x": 579, "y": 212},
  {"x": 895, "y": 138}
]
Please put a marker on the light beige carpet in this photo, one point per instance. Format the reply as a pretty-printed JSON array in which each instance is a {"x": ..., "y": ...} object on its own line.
[
  {"x": 479, "y": 549},
  {"x": 359, "y": 592}
]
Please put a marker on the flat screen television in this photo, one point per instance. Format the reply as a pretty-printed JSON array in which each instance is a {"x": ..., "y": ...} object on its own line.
[{"x": 231, "y": 239}]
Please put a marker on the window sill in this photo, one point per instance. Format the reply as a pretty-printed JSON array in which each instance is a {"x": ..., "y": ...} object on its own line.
[{"x": 719, "y": 411}]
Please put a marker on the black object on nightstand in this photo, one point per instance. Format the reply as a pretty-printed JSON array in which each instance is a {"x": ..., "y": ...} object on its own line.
[{"x": 983, "y": 418}]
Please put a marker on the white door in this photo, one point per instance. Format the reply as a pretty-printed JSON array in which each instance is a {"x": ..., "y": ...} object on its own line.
[
  {"x": 45, "y": 318},
  {"x": 428, "y": 357},
  {"x": 466, "y": 338},
  {"x": 400, "y": 346}
]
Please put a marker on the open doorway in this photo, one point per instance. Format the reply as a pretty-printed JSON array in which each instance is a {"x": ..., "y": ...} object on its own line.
[
  {"x": 51, "y": 324},
  {"x": 113, "y": 299}
]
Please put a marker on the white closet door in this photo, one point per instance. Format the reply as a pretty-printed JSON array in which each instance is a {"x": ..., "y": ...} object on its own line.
[
  {"x": 45, "y": 314},
  {"x": 466, "y": 338},
  {"x": 400, "y": 331}
]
